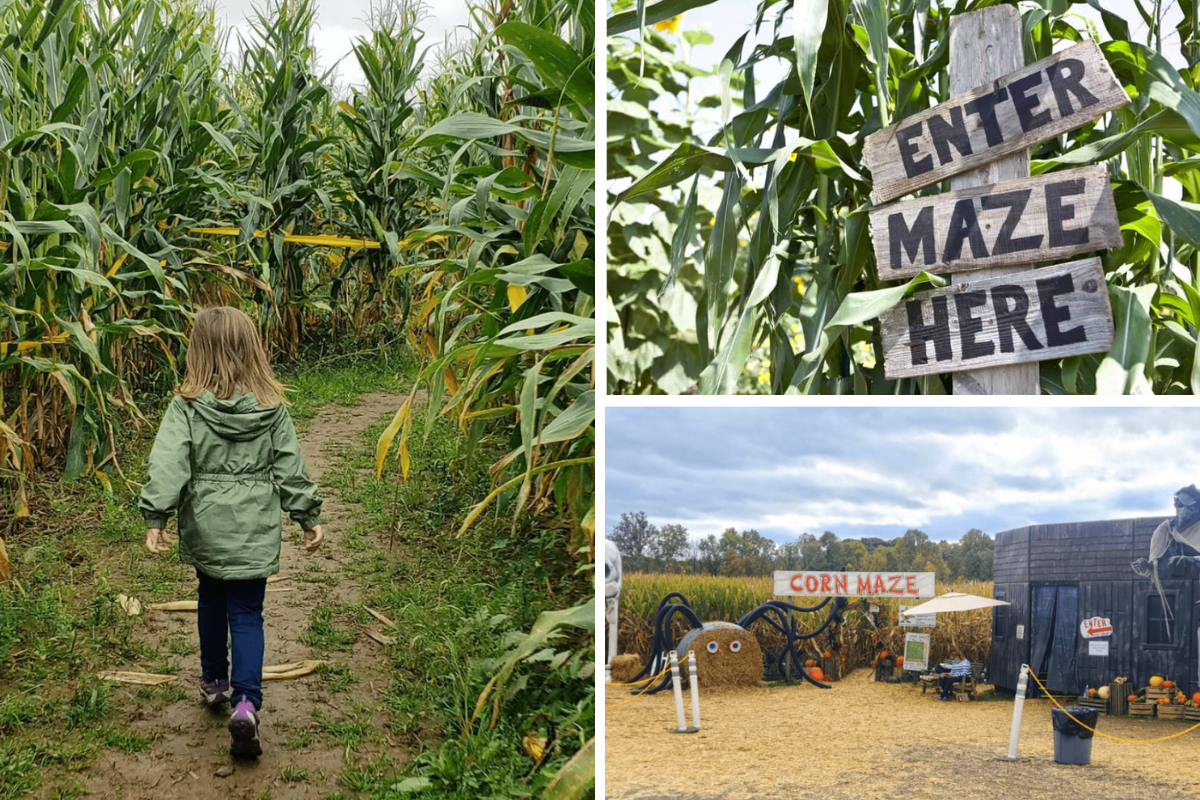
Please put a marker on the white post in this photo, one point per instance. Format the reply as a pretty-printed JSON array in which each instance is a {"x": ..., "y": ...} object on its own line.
[
  {"x": 1018, "y": 707},
  {"x": 678, "y": 691},
  {"x": 694, "y": 688}
]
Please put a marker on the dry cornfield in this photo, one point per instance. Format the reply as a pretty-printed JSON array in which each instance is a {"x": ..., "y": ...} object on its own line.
[{"x": 727, "y": 599}]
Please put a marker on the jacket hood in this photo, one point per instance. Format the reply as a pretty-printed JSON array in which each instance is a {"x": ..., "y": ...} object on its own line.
[{"x": 238, "y": 419}]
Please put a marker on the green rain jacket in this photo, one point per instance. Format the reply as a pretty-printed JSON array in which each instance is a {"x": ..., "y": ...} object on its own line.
[{"x": 228, "y": 469}]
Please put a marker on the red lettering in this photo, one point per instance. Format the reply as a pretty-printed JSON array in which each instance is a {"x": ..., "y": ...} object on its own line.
[
  {"x": 880, "y": 589},
  {"x": 895, "y": 586},
  {"x": 839, "y": 584},
  {"x": 824, "y": 584},
  {"x": 864, "y": 585},
  {"x": 912, "y": 584},
  {"x": 810, "y": 583},
  {"x": 796, "y": 587}
]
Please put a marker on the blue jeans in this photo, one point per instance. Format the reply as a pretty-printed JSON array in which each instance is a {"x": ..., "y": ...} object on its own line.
[{"x": 232, "y": 611}]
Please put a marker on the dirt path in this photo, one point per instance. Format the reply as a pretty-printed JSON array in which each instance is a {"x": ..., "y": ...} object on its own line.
[
  {"x": 189, "y": 758},
  {"x": 875, "y": 741}
]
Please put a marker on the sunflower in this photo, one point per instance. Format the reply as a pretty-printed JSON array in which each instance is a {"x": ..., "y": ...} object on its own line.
[{"x": 669, "y": 25}]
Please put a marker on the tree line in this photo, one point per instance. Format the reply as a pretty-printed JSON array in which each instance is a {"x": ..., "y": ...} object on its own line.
[{"x": 646, "y": 547}]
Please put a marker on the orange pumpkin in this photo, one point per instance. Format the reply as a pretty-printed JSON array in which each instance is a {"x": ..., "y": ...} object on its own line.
[
  {"x": 809, "y": 663},
  {"x": 899, "y": 661},
  {"x": 816, "y": 674},
  {"x": 1162, "y": 701},
  {"x": 1196, "y": 698},
  {"x": 1168, "y": 684},
  {"x": 1132, "y": 698},
  {"x": 1091, "y": 692},
  {"x": 827, "y": 654},
  {"x": 883, "y": 654}
]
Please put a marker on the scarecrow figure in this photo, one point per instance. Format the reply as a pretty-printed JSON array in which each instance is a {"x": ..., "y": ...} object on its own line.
[
  {"x": 1181, "y": 533},
  {"x": 612, "y": 593}
]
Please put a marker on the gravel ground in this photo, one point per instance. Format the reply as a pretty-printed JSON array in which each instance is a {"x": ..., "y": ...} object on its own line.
[{"x": 870, "y": 741}]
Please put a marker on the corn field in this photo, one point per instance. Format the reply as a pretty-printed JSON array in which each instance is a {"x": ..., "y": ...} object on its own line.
[
  {"x": 742, "y": 261},
  {"x": 716, "y": 598},
  {"x": 149, "y": 166}
]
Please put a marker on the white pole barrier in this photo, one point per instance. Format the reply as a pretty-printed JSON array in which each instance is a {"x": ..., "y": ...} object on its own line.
[
  {"x": 613, "y": 619},
  {"x": 694, "y": 688},
  {"x": 1018, "y": 707},
  {"x": 678, "y": 691}
]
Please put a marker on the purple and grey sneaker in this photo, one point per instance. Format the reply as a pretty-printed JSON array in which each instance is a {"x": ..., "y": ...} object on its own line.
[
  {"x": 216, "y": 693},
  {"x": 243, "y": 727}
]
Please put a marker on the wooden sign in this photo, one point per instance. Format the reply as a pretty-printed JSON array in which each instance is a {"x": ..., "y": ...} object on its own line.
[
  {"x": 854, "y": 584},
  {"x": 1096, "y": 626},
  {"x": 1033, "y": 104},
  {"x": 1050, "y": 217},
  {"x": 1046, "y": 313}
]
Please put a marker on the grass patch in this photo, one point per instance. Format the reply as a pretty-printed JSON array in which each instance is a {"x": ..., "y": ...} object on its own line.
[
  {"x": 292, "y": 774},
  {"x": 323, "y": 633},
  {"x": 991, "y": 695}
]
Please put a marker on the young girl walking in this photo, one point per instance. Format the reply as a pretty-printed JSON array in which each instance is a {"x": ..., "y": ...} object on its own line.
[{"x": 226, "y": 463}]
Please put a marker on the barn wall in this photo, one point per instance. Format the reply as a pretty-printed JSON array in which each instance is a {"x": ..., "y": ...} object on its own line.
[
  {"x": 1009, "y": 652},
  {"x": 1096, "y": 556}
]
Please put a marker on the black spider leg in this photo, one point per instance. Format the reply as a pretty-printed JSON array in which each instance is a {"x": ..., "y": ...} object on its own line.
[
  {"x": 781, "y": 608},
  {"x": 663, "y": 640}
]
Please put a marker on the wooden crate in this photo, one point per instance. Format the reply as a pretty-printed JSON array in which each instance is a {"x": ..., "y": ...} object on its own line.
[
  {"x": 1154, "y": 693},
  {"x": 1170, "y": 712},
  {"x": 831, "y": 667},
  {"x": 1141, "y": 709},
  {"x": 1118, "y": 698},
  {"x": 1094, "y": 702},
  {"x": 1192, "y": 714}
]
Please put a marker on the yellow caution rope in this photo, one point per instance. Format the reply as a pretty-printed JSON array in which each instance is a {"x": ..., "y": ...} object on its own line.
[
  {"x": 647, "y": 681},
  {"x": 1105, "y": 735}
]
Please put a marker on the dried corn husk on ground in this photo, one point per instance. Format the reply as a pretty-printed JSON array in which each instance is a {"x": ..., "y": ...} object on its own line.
[
  {"x": 130, "y": 605},
  {"x": 174, "y": 605},
  {"x": 383, "y": 639},
  {"x": 5, "y": 565},
  {"x": 138, "y": 678},
  {"x": 380, "y": 617},
  {"x": 298, "y": 669}
]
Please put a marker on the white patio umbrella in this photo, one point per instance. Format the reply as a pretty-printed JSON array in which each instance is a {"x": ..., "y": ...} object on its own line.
[{"x": 953, "y": 601}]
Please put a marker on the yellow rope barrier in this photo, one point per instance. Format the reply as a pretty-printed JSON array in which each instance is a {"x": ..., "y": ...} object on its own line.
[
  {"x": 1105, "y": 735},
  {"x": 647, "y": 681}
]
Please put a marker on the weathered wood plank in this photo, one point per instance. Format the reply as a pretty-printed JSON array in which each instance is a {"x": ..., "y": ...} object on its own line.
[
  {"x": 1039, "y": 314},
  {"x": 1024, "y": 221},
  {"x": 1033, "y": 104},
  {"x": 986, "y": 45}
]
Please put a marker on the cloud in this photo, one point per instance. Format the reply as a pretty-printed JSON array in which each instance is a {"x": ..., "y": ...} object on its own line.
[{"x": 877, "y": 472}]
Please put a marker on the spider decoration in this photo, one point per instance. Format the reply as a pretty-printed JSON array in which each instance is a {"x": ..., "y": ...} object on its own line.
[{"x": 725, "y": 647}]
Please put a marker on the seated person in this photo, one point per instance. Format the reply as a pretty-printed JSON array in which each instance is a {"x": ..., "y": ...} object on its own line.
[{"x": 960, "y": 668}]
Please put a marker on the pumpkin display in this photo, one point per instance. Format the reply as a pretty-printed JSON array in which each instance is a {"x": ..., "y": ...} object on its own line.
[
  {"x": 1162, "y": 701},
  {"x": 1156, "y": 681},
  {"x": 1196, "y": 698},
  {"x": 1168, "y": 684},
  {"x": 1132, "y": 698},
  {"x": 809, "y": 663},
  {"x": 883, "y": 654},
  {"x": 1103, "y": 692},
  {"x": 827, "y": 654},
  {"x": 1091, "y": 692},
  {"x": 899, "y": 661},
  {"x": 816, "y": 674}
]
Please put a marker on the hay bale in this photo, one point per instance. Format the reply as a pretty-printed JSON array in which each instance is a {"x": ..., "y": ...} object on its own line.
[
  {"x": 724, "y": 668},
  {"x": 624, "y": 667}
]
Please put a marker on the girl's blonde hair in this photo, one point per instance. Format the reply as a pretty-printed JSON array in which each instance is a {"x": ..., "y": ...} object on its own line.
[{"x": 226, "y": 356}]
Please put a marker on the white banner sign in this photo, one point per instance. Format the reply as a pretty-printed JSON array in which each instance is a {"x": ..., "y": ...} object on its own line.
[
  {"x": 916, "y": 651},
  {"x": 918, "y": 621},
  {"x": 1096, "y": 626},
  {"x": 854, "y": 584},
  {"x": 1098, "y": 648},
  {"x": 1020, "y": 631}
]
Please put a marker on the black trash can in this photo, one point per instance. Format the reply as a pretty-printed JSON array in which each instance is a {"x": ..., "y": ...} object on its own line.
[{"x": 1073, "y": 742}]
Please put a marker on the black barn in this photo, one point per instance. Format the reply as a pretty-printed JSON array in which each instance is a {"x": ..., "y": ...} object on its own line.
[{"x": 1057, "y": 576}]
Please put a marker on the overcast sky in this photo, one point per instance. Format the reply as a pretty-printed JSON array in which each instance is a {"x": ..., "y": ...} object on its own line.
[
  {"x": 340, "y": 22},
  {"x": 879, "y": 472}
]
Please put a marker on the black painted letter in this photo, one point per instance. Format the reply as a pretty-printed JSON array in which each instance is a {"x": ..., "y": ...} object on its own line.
[
  {"x": 1011, "y": 318},
  {"x": 1057, "y": 213},
  {"x": 964, "y": 225},
  {"x": 920, "y": 235},
  {"x": 985, "y": 108},
  {"x": 1026, "y": 104},
  {"x": 1054, "y": 315},
  {"x": 920, "y": 334},
  {"x": 949, "y": 133},
  {"x": 909, "y": 149},
  {"x": 1015, "y": 203},
  {"x": 969, "y": 326},
  {"x": 1067, "y": 76}
]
